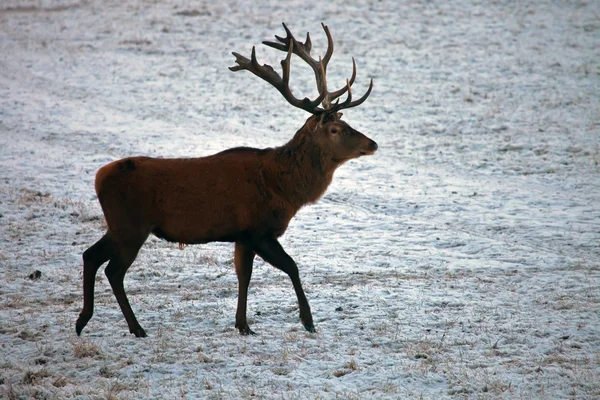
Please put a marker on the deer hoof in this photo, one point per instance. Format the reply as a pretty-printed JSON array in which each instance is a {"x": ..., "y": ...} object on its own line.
[
  {"x": 139, "y": 332},
  {"x": 310, "y": 328},
  {"x": 81, "y": 322},
  {"x": 246, "y": 331}
]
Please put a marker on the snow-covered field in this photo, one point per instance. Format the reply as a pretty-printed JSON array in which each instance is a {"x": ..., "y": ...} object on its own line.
[{"x": 462, "y": 260}]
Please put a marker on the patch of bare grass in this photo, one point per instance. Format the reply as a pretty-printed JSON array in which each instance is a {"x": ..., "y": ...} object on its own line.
[
  {"x": 85, "y": 349},
  {"x": 348, "y": 368},
  {"x": 35, "y": 377},
  {"x": 61, "y": 381}
]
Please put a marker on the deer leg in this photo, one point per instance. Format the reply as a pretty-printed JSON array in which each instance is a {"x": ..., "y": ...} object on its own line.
[
  {"x": 115, "y": 272},
  {"x": 93, "y": 258},
  {"x": 243, "y": 260},
  {"x": 271, "y": 251}
]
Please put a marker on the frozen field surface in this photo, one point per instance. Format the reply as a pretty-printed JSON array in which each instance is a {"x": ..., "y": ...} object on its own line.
[{"x": 460, "y": 261}]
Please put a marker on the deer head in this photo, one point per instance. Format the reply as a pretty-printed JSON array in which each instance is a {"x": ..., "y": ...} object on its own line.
[{"x": 325, "y": 127}]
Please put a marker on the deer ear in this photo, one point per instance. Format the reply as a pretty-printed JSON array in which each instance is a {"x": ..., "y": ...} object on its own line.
[
  {"x": 315, "y": 122},
  {"x": 338, "y": 116}
]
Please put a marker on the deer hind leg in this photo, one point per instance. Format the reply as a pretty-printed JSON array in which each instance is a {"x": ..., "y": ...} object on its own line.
[
  {"x": 115, "y": 272},
  {"x": 243, "y": 260},
  {"x": 93, "y": 258},
  {"x": 271, "y": 251}
]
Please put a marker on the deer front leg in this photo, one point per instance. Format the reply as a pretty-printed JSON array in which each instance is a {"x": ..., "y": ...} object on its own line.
[
  {"x": 271, "y": 251},
  {"x": 243, "y": 259}
]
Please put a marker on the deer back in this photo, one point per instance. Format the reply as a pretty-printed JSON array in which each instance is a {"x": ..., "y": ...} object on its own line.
[{"x": 194, "y": 200}]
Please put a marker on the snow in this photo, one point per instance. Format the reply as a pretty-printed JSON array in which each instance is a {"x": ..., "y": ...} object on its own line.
[{"x": 462, "y": 260}]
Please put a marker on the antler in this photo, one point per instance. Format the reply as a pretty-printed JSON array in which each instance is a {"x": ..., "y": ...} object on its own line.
[
  {"x": 290, "y": 45},
  {"x": 267, "y": 73}
]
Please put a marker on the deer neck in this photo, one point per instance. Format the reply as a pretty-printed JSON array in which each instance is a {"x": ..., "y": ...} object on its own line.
[{"x": 304, "y": 170}]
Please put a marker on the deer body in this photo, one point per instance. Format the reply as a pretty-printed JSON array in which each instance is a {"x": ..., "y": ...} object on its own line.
[
  {"x": 238, "y": 193},
  {"x": 242, "y": 195},
  {"x": 193, "y": 201}
]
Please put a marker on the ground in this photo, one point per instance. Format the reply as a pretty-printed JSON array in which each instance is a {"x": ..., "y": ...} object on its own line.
[{"x": 460, "y": 261}]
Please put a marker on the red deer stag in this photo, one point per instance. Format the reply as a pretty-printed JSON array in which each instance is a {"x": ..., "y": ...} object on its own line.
[{"x": 241, "y": 195}]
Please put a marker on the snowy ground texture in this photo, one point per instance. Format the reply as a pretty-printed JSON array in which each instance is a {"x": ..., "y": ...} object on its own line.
[{"x": 462, "y": 260}]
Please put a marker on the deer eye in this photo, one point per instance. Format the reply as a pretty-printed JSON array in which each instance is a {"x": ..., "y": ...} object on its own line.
[{"x": 334, "y": 130}]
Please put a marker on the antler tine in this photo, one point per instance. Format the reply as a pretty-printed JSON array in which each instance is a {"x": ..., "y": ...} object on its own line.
[
  {"x": 285, "y": 41},
  {"x": 363, "y": 98},
  {"x": 285, "y": 65},
  {"x": 265, "y": 72},
  {"x": 349, "y": 104},
  {"x": 322, "y": 85},
  {"x": 338, "y": 93},
  {"x": 338, "y": 106},
  {"x": 329, "y": 51},
  {"x": 253, "y": 59},
  {"x": 308, "y": 43}
]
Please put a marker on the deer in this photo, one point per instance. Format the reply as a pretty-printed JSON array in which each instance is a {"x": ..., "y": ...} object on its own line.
[{"x": 242, "y": 195}]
